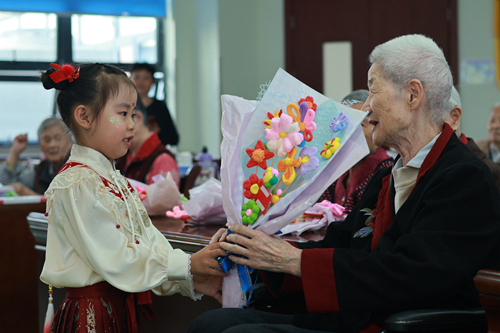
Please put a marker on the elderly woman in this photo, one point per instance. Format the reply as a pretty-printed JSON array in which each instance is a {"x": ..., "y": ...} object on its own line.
[
  {"x": 434, "y": 218},
  {"x": 55, "y": 144}
]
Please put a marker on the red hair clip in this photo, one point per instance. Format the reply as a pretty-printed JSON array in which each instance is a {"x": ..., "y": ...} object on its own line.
[{"x": 64, "y": 72}]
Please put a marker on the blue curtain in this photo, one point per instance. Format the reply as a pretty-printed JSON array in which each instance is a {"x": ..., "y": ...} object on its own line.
[{"x": 103, "y": 7}]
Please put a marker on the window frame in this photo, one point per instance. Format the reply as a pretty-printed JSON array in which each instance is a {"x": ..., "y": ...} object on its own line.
[{"x": 64, "y": 54}]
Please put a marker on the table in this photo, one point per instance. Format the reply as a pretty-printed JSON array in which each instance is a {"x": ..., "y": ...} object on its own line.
[
  {"x": 18, "y": 260},
  {"x": 177, "y": 312},
  {"x": 192, "y": 237}
]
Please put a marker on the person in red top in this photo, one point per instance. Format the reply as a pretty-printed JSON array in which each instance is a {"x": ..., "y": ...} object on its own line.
[
  {"x": 348, "y": 189},
  {"x": 147, "y": 156},
  {"x": 452, "y": 117}
]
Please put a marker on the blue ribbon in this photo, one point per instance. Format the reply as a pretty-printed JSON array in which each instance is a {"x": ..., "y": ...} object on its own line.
[{"x": 244, "y": 273}]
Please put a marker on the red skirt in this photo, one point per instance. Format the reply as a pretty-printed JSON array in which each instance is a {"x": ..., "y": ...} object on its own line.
[{"x": 100, "y": 308}]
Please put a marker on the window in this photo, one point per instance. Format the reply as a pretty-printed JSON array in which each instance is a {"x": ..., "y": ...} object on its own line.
[
  {"x": 25, "y": 105},
  {"x": 28, "y": 36},
  {"x": 114, "y": 39},
  {"x": 29, "y": 42}
]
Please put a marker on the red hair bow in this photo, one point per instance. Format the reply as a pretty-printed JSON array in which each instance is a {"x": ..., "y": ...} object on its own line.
[{"x": 64, "y": 72}]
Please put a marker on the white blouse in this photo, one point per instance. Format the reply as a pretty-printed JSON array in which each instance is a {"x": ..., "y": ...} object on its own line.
[{"x": 96, "y": 235}]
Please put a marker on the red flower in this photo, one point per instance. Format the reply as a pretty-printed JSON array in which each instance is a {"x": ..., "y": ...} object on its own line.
[
  {"x": 259, "y": 155},
  {"x": 310, "y": 101},
  {"x": 65, "y": 72},
  {"x": 249, "y": 183},
  {"x": 277, "y": 114}
]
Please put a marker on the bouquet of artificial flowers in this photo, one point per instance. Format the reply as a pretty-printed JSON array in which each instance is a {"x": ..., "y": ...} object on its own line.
[{"x": 279, "y": 155}]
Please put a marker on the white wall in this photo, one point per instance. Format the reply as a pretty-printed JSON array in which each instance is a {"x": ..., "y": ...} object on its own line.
[
  {"x": 476, "y": 41},
  {"x": 221, "y": 47},
  {"x": 197, "y": 91},
  {"x": 252, "y": 41}
]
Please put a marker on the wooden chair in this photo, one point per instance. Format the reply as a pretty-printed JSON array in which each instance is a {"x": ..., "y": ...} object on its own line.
[
  {"x": 488, "y": 284},
  {"x": 190, "y": 179}
]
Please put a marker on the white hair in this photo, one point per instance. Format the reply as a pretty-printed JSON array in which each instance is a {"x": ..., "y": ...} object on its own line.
[
  {"x": 417, "y": 57},
  {"x": 454, "y": 100},
  {"x": 49, "y": 123}
]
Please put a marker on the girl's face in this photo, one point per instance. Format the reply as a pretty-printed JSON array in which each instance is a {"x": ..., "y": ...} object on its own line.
[{"x": 112, "y": 134}]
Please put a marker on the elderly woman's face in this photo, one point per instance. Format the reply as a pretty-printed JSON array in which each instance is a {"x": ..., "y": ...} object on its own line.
[
  {"x": 55, "y": 144},
  {"x": 386, "y": 106},
  {"x": 494, "y": 126}
]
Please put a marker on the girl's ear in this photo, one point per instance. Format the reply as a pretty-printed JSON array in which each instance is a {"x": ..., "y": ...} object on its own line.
[{"x": 82, "y": 116}]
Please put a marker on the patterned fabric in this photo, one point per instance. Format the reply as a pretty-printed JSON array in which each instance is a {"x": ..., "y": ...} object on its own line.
[
  {"x": 24, "y": 173},
  {"x": 98, "y": 230},
  {"x": 99, "y": 308}
]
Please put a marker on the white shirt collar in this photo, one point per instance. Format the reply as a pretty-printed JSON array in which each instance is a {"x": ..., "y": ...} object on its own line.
[
  {"x": 92, "y": 158},
  {"x": 495, "y": 153}
]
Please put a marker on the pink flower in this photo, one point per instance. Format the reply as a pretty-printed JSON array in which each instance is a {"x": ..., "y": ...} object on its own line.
[
  {"x": 283, "y": 135},
  {"x": 176, "y": 213}
]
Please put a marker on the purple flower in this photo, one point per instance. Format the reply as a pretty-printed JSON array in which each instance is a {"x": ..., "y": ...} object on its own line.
[
  {"x": 339, "y": 123},
  {"x": 309, "y": 161}
]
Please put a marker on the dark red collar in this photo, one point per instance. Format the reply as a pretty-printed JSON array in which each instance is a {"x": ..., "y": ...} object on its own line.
[{"x": 463, "y": 138}]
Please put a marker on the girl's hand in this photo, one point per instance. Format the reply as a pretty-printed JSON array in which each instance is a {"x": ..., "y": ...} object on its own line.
[
  {"x": 204, "y": 262},
  {"x": 219, "y": 236},
  {"x": 209, "y": 285},
  {"x": 269, "y": 253}
]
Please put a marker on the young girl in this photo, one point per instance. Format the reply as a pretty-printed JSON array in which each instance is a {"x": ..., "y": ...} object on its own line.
[{"x": 101, "y": 245}]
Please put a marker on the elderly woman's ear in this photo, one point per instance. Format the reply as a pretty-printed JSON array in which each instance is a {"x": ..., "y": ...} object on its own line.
[{"x": 416, "y": 94}]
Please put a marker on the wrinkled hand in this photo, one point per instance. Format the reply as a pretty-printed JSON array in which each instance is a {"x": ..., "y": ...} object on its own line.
[
  {"x": 269, "y": 253},
  {"x": 22, "y": 189},
  {"x": 204, "y": 262},
  {"x": 209, "y": 285},
  {"x": 20, "y": 143},
  {"x": 219, "y": 236}
]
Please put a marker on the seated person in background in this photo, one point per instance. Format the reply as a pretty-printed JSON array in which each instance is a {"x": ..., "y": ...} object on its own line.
[
  {"x": 55, "y": 143},
  {"x": 348, "y": 189},
  {"x": 159, "y": 120},
  {"x": 452, "y": 117},
  {"x": 491, "y": 146},
  {"x": 419, "y": 235},
  {"x": 147, "y": 155}
]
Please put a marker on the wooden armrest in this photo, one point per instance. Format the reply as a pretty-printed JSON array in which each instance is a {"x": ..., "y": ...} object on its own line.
[{"x": 487, "y": 281}]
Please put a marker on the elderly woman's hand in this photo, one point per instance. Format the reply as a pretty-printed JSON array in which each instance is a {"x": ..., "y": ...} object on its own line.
[
  {"x": 22, "y": 189},
  {"x": 219, "y": 236},
  {"x": 20, "y": 143},
  {"x": 269, "y": 253}
]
